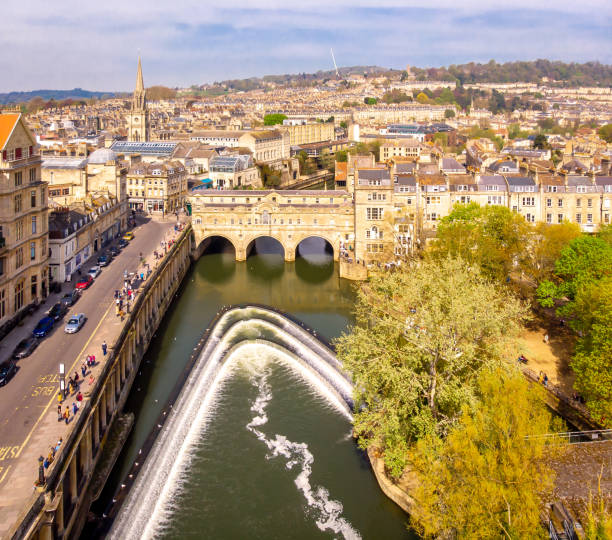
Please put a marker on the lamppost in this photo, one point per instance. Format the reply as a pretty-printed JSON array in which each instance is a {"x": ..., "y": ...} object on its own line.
[
  {"x": 62, "y": 381},
  {"x": 41, "y": 471}
]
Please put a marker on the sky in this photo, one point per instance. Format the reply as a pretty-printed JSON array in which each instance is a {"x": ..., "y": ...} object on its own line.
[{"x": 63, "y": 44}]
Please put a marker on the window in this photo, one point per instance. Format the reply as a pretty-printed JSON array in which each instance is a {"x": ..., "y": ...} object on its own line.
[
  {"x": 32, "y": 199},
  {"x": 581, "y": 189},
  {"x": 19, "y": 229},
  {"x": 495, "y": 199},
  {"x": 32, "y": 251},
  {"x": 43, "y": 249},
  {"x": 578, "y": 218},
  {"x": 548, "y": 203},
  {"x": 559, "y": 218},
  {"x": 18, "y": 205},
  {"x": 34, "y": 286},
  {"x": 374, "y": 213},
  {"x": 528, "y": 201},
  {"x": 433, "y": 199},
  {"x": 590, "y": 203},
  {"x": 18, "y": 178},
  {"x": 606, "y": 219},
  {"x": 551, "y": 189},
  {"x": 589, "y": 218},
  {"x": 578, "y": 203},
  {"x": 432, "y": 217},
  {"x": 465, "y": 199},
  {"x": 2, "y": 303},
  {"x": 19, "y": 296},
  {"x": 492, "y": 188},
  {"x": 549, "y": 218},
  {"x": 560, "y": 203},
  {"x": 530, "y": 218},
  {"x": 32, "y": 176}
]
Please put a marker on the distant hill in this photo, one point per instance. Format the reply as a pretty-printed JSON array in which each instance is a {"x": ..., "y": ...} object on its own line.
[
  {"x": 57, "y": 95},
  {"x": 565, "y": 74}
]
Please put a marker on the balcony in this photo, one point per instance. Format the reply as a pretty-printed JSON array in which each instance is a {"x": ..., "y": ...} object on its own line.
[{"x": 21, "y": 162}]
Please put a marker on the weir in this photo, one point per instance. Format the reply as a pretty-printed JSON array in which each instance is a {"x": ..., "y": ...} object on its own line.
[{"x": 153, "y": 483}]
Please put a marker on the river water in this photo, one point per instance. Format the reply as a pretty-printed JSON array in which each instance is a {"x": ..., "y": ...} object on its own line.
[{"x": 276, "y": 460}]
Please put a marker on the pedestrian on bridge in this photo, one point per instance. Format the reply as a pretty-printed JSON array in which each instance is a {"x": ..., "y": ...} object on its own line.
[
  {"x": 104, "y": 348},
  {"x": 67, "y": 415}
]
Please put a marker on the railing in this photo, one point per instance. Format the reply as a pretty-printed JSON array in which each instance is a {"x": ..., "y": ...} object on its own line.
[
  {"x": 577, "y": 437},
  {"x": 15, "y": 163}
]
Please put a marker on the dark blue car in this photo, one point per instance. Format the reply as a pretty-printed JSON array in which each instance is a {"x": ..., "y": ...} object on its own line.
[{"x": 43, "y": 327}]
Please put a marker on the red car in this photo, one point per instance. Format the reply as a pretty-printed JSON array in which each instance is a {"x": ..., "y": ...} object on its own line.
[{"x": 84, "y": 282}]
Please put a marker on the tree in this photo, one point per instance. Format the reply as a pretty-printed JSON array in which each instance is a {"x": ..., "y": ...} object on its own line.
[
  {"x": 274, "y": 119},
  {"x": 492, "y": 237},
  {"x": 370, "y": 101},
  {"x": 449, "y": 113},
  {"x": 343, "y": 124},
  {"x": 155, "y": 93},
  {"x": 545, "y": 245},
  {"x": 541, "y": 142},
  {"x": 605, "y": 132},
  {"x": 487, "y": 478},
  {"x": 423, "y": 333},
  {"x": 422, "y": 98},
  {"x": 592, "y": 361}
]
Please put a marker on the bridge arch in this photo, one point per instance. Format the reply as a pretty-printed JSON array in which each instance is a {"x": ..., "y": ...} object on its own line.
[
  {"x": 210, "y": 240},
  {"x": 265, "y": 244}
]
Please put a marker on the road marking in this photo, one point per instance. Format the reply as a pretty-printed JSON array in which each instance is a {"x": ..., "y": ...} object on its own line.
[
  {"x": 54, "y": 398},
  {"x": 5, "y": 473}
]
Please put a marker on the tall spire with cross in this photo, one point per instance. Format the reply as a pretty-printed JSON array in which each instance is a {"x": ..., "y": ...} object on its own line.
[{"x": 138, "y": 118}]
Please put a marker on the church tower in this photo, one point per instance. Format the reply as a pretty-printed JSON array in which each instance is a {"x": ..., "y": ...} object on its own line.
[{"x": 138, "y": 117}]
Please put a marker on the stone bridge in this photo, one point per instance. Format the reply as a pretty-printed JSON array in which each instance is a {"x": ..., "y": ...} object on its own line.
[{"x": 288, "y": 216}]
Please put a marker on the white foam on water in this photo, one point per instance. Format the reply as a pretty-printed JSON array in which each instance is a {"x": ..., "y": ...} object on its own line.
[
  {"x": 152, "y": 500},
  {"x": 328, "y": 512}
]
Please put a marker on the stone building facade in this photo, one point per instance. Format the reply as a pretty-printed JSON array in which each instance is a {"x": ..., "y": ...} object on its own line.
[{"x": 24, "y": 252}]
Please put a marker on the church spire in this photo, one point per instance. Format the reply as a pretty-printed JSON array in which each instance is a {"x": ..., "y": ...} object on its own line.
[{"x": 139, "y": 83}]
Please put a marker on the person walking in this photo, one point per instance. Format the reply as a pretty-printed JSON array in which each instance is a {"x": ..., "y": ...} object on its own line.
[
  {"x": 67, "y": 415},
  {"x": 104, "y": 348},
  {"x": 59, "y": 413},
  {"x": 546, "y": 338},
  {"x": 75, "y": 408},
  {"x": 83, "y": 369}
]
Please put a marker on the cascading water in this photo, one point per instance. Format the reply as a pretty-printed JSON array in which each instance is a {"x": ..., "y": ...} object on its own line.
[{"x": 150, "y": 504}]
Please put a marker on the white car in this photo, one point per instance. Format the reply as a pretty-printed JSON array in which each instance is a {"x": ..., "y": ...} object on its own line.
[
  {"x": 75, "y": 323},
  {"x": 94, "y": 271}
]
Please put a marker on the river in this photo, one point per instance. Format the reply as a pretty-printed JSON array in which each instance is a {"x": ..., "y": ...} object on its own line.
[{"x": 299, "y": 473}]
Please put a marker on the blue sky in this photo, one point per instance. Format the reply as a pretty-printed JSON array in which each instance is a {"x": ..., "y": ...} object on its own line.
[{"x": 94, "y": 45}]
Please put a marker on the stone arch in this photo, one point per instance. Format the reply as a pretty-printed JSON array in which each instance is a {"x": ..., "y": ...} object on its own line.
[
  {"x": 249, "y": 243},
  {"x": 205, "y": 242},
  {"x": 333, "y": 243}
]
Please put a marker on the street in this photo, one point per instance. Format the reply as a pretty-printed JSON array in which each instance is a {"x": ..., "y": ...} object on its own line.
[{"x": 26, "y": 397}]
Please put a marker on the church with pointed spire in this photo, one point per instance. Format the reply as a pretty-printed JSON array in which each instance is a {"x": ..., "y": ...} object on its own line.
[{"x": 138, "y": 117}]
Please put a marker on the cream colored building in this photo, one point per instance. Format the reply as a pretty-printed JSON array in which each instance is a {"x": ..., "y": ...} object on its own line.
[
  {"x": 310, "y": 132},
  {"x": 24, "y": 255},
  {"x": 403, "y": 148},
  {"x": 157, "y": 187}
]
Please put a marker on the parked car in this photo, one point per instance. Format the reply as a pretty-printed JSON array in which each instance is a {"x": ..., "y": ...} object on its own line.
[
  {"x": 114, "y": 251},
  {"x": 84, "y": 282},
  {"x": 94, "y": 271},
  {"x": 103, "y": 260},
  {"x": 122, "y": 243},
  {"x": 25, "y": 347},
  {"x": 70, "y": 298},
  {"x": 57, "y": 311},
  {"x": 8, "y": 368},
  {"x": 43, "y": 327},
  {"x": 75, "y": 323},
  {"x": 128, "y": 236}
]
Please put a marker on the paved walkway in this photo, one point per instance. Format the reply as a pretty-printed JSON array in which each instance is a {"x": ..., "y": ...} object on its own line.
[{"x": 23, "y": 441}]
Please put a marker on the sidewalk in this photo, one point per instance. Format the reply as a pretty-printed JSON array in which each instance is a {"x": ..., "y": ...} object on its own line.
[{"x": 47, "y": 430}]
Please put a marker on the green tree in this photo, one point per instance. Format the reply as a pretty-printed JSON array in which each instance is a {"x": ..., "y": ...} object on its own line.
[
  {"x": 492, "y": 237},
  {"x": 423, "y": 333},
  {"x": 541, "y": 142},
  {"x": 592, "y": 361},
  {"x": 370, "y": 101},
  {"x": 605, "y": 132},
  {"x": 487, "y": 477},
  {"x": 343, "y": 124},
  {"x": 449, "y": 113},
  {"x": 545, "y": 245},
  {"x": 274, "y": 119},
  {"x": 422, "y": 98}
]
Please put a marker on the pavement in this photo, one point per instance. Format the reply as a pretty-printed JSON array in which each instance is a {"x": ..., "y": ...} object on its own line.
[{"x": 28, "y": 403}]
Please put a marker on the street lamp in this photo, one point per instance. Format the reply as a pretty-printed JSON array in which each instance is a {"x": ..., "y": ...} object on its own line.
[
  {"x": 41, "y": 471},
  {"x": 62, "y": 374}
]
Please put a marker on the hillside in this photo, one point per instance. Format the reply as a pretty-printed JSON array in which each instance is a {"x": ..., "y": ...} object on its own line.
[{"x": 57, "y": 95}]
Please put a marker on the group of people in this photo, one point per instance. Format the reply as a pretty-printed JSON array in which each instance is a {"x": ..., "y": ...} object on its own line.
[
  {"x": 51, "y": 455},
  {"x": 543, "y": 378}
]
